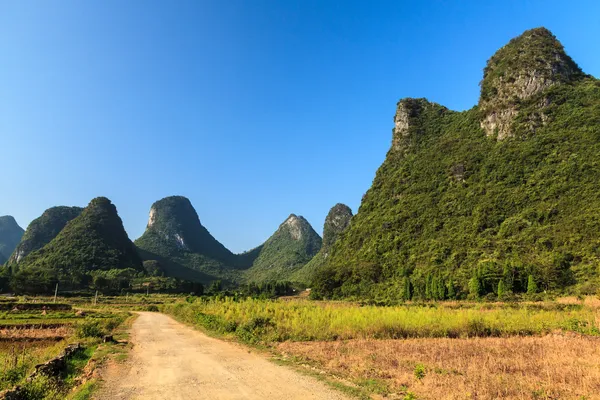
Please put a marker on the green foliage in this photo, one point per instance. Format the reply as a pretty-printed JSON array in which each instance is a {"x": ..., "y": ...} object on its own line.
[
  {"x": 535, "y": 50},
  {"x": 43, "y": 229},
  {"x": 532, "y": 287},
  {"x": 98, "y": 327},
  {"x": 266, "y": 290},
  {"x": 475, "y": 287},
  {"x": 524, "y": 205},
  {"x": 256, "y": 320},
  {"x": 293, "y": 245},
  {"x": 181, "y": 247},
  {"x": 93, "y": 241},
  {"x": 336, "y": 222},
  {"x": 419, "y": 371},
  {"x": 501, "y": 289}
]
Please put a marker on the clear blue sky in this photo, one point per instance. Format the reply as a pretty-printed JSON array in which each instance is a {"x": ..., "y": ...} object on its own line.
[{"x": 252, "y": 109}]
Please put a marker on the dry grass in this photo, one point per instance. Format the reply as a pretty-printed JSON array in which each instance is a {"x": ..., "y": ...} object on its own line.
[
  {"x": 550, "y": 367},
  {"x": 588, "y": 301},
  {"x": 8, "y": 334}
]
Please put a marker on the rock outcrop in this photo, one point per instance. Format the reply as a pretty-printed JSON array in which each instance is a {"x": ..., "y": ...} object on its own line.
[
  {"x": 525, "y": 67},
  {"x": 409, "y": 122}
]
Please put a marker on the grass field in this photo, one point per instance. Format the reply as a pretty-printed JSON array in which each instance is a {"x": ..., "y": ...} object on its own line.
[
  {"x": 452, "y": 350},
  {"x": 304, "y": 320}
]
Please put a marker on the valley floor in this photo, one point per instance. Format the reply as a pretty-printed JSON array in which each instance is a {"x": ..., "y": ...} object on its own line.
[{"x": 171, "y": 360}]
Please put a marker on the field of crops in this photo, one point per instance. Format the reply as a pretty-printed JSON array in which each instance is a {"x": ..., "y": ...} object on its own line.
[
  {"x": 448, "y": 350},
  {"x": 35, "y": 330}
]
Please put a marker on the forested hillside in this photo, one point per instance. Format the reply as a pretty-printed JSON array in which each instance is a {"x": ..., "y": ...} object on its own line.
[{"x": 503, "y": 198}]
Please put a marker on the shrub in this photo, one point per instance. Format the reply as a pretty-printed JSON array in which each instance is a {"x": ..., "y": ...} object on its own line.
[
  {"x": 90, "y": 329},
  {"x": 419, "y": 371}
]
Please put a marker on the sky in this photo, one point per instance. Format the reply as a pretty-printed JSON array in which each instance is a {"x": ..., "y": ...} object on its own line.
[{"x": 253, "y": 109}]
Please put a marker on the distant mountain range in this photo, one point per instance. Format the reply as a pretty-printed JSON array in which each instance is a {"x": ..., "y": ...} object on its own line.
[{"x": 69, "y": 243}]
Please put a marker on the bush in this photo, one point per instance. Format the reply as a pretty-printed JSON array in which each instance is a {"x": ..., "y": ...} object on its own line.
[
  {"x": 95, "y": 328},
  {"x": 90, "y": 329},
  {"x": 419, "y": 371}
]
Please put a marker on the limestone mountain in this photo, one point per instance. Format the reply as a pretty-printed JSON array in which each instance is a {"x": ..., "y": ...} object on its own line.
[
  {"x": 43, "y": 229},
  {"x": 10, "y": 235},
  {"x": 519, "y": 71},
  {"x": 293, "y": 244},
  {"x": 502, "y": 192},
  {"x": 94, "y": 240},
  {"x": 336, "y": 222},
  {"x": 175, "y": 237}
]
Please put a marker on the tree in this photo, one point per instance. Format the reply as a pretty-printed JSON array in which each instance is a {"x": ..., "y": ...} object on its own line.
[
  {"x": 215, "y": 287},
  {"x": 441, "y": 288},
  {"x": 451, "y": 290},
  {"x": 407, "y": 295},
  {"x": 475, "y": 287},
  {"x": 501, "y": 289},
  {"x": 531, "y": 285}
]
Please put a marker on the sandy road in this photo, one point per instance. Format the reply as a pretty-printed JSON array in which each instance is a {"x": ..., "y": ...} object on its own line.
[{"x": 172, "y": 361}]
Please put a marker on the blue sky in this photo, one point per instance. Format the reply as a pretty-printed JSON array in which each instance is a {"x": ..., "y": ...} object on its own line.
[{"x": 253, "y": 109}]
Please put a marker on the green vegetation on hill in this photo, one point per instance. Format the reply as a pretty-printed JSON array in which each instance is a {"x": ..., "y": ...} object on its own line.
[
  {"x": 456, "y": 213},
  {"x": 10, "y": 235},
  {"x": 184, "y": 248},
  {"x": 293, "y": 244},
  {"x": 43, "y": 229},
  {"x": 95, "y": 240},
  {"x": 336, "y": 222}
]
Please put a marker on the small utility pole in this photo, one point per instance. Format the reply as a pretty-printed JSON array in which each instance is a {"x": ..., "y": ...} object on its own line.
[
  {"x": 96, "y": 298},
  {"x": 127, "y": 298},
  {"x": 55, "y": 292}
]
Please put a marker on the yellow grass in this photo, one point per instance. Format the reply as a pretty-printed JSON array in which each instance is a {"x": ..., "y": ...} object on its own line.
[{"x": 556, "y": 366}]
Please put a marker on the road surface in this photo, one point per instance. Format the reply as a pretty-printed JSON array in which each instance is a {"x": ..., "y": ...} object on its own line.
[{"x": 172, "y": 361}]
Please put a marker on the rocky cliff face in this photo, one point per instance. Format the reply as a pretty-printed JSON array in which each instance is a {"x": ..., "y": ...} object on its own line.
[
  {"x": 408, "y": 122},
  {"x": 43, "y": 229},
  {"x": 10, "y": 236},
  {"x": 174, "y": 227},
  {"x": 519, "y": 71},
  {"x": 185, "y": 249}
]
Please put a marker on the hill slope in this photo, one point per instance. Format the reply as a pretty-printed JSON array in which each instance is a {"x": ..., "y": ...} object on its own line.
[
  {"x": 43, "y": 229},
  {"x": 293, "y": 244},
  {"x": 95, "y": 240},
  {"x": 176, "y": 238},
  {"x": 499, "y": 195},
  {"x": 10, "y": 235},
  {"x": 336, "y": 222}
]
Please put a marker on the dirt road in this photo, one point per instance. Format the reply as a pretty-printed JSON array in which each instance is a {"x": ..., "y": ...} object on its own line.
[{"x": 172, "y": 361}]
